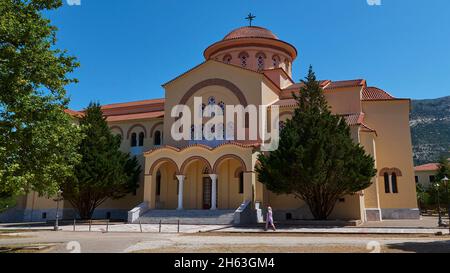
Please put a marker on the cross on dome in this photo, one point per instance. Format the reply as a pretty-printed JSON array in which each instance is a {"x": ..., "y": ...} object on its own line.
[{"x": 250, "y": 18}]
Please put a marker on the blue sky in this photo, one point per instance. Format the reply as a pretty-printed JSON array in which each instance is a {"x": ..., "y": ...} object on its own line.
[{"x": 128, "y": 48}]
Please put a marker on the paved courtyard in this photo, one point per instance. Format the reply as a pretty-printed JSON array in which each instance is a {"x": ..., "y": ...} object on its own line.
[{"x": 427, "y": 225}]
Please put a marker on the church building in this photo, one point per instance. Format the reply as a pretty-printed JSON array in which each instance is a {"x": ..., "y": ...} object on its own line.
[{"x": 215, "y": 181}]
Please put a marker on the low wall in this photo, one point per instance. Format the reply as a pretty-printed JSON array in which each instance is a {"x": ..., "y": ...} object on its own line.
[{"x": 400, "y": 214}]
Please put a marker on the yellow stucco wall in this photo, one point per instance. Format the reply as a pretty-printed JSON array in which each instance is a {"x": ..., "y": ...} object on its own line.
[
  {"x": 393, "y": 149},
  {"x": 250, "y": 84}
]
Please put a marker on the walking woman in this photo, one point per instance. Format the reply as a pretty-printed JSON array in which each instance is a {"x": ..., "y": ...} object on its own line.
[{"x": 269, "y": 219}]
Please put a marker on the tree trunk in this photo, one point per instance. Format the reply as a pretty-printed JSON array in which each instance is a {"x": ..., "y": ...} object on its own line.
[{"x": 321, "y": 209}]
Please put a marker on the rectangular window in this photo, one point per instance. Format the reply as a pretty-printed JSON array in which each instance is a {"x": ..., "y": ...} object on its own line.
[
  {"x": 158, "y": 185},
  {"x": 386, "y": 183},
  {"x": 432, "y": 178},
  {"x": 241, "y": 183},
  {"x": 394, "y": 183},
  {"x": 417, "y": 179}
]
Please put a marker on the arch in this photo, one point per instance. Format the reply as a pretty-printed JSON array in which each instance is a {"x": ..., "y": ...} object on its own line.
[
  {"x": 238, "y": 172},
  {"x": 136, "y": 126},
  {"x": 152, "y": 130},
  {"x": 390, "y": 171},
  {"x": 134, "y": 142},
  {"x": 141, "y": 139},
  {"x": 227, "y": 58},
  {"x": 260, "y": 61},
  {"x": 276, "y": 60},
  {"x": 158, "y": 162},
  {"x": 243, "y": 56},
  {"x": 394, "y": 182},
  {"x": 286, "y": 113},
  {"x": 192, "y": 158},
  {"x": 215, "y": 82},
  {"x": 260, "y": 53},
  {"x": 387, "y": 187},
  {"x": 117, "y": 128},
  {"x": 157, "y": 139},
  {"x": 228, "y": 156}
]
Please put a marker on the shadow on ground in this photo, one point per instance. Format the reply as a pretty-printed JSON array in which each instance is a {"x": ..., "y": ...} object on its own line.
[{"x": 422, "y": 247}]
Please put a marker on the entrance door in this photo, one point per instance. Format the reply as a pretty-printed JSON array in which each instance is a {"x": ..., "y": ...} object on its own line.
[{"x": 207, "y": 193}]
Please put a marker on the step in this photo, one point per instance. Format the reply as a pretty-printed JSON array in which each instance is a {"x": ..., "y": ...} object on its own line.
[{"x": 194, "y": 217}]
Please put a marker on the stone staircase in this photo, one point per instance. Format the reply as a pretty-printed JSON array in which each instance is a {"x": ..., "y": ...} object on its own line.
[{"x": 188, "y": 217}]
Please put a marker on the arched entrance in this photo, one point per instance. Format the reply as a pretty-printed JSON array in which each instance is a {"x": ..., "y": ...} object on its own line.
[
  {"x": 230, "y": 171},
  {"x": 164, "y": 183},
  {"x": 198, "y": 186}
]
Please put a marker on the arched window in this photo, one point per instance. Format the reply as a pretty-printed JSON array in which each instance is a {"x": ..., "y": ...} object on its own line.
[
  {"x": 133, "y": 140},
  {"x": 260, "y": 61},
  {"x": 287, "y": 64},
  {"x": 276, "y": 61},
  {"x": 158, "y": 183},
  {"x": 141, "y": 139},
  {"x": 157, "y": 138},
  {"x": 227, "y": 59},
  {"x": 386, "y": 183},
  {"x": 241, "y": 182},
  {"x": 211, "y": 100},
  {"x": 394, "y": 183},
  {"x": 222, "y": 106},
  {"x": 243, "y": 56},
  {"x": 281, "y": 125}
]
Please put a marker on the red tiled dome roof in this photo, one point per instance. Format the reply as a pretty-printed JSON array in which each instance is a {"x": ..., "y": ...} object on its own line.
[{"x": 250, "y": 32}]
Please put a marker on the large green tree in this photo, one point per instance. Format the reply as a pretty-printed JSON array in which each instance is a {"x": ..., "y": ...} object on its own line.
[
  {"x": 317, "y": 160},
  {"x": 38, "y": 140},
  {"x": 104, "y": 172},
  {"x": 444, "y": 169}
]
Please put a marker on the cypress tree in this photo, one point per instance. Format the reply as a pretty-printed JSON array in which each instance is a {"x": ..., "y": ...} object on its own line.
[
  {"x": 317, "y": 161},
  {"x": 104, "y": 171}
]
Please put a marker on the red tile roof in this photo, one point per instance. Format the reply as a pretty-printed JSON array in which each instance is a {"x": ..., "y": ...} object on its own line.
[
  {"x": 250, "y": 32},
  {"x": 286, "y": 103},
  {"x": 342, "y": 84},
  {"x": 138, "y": 116},
  {"x": 133, "y": 103},
  {"x": 297, "y": 86},
  {"x": 74, "y": 113},
  {"x": 129, "y": 110},
  {"x": 427, "y": 167},
  {"x": 374, "y": 93},
  {"x": 354, "y": 118}
]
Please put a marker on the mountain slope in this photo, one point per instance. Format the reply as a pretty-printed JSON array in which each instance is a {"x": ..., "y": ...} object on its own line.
[{"x": 430, "y": 128}]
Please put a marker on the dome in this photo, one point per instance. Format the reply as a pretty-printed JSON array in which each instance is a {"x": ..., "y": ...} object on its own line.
[
  {"x": 254, "y": 48},
  {"x": 250, "y": 32}
]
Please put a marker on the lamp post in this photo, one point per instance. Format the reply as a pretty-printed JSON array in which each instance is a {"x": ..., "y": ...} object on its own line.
[
  {"x": 58, "y": 198},
  {"x": 445, "y": 181},
  {"x": 436, "y": 185}
]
